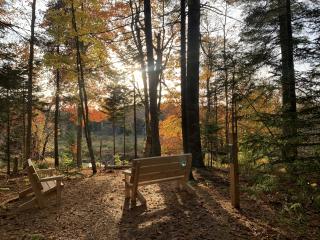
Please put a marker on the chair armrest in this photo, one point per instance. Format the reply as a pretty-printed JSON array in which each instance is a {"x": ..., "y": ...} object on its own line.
[{"x": 46, "y": 179}]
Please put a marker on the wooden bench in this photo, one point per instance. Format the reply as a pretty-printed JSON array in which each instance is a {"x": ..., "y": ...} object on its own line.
[
  {"x": 41, "y": 187},
  {"x": 146, "y": 171}
]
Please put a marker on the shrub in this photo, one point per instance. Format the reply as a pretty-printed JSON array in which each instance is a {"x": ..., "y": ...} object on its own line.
[{"x": 42, "y": 165}]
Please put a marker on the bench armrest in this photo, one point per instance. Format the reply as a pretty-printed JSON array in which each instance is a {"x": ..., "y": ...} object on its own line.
[
  {"x": 46, "y": 179},
  {"x": 127, "y": 172}
]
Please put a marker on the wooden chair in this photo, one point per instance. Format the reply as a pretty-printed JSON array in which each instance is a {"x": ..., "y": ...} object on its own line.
[
  {"x": 41, "y": 187},
  {"x": 146, "y": 171}
]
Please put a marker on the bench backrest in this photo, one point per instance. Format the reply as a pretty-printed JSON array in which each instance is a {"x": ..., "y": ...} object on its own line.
[
  {"x": 33, "y": 176},
  {"x": 160, "y": 169}
]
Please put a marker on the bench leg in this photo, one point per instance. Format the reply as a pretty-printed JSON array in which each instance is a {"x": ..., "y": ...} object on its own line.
[
  {"x": 59, "y": 192},
  {"x": 28, "y": 204},
  {"x": 25, "y": 192},
  {"x": 189, "y": 188},
  {"x": 141, "y": 198},
  {"x": 134, "y": 197},
  {"x": 180, "y": 185},
  {"x": 127, "y": 190}
]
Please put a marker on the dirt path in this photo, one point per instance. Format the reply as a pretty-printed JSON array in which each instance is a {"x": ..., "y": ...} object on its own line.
[{"x": 93, "y": 208}]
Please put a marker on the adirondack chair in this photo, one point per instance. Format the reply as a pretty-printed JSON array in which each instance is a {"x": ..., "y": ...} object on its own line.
[
  {"x": 146, "y": 171},
  {"x": 41, "y": 187}
]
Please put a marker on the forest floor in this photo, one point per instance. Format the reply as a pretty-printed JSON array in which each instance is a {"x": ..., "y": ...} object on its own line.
[{"x": 94, "y": 208}]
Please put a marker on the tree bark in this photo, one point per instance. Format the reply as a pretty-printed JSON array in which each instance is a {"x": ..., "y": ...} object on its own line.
[
  {"x": 30, "y": 84},
  {"x": 153, "y": 83},
  {"x": 56, "y": 117},
  {"x": 194, "y": 141},
  {"x": 289, "y": 102}
]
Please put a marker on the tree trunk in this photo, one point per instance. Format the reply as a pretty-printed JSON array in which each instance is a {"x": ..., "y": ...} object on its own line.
[
  {"x": 225, "y": 67},
  {"x": 15, "y": 166},
  {"x": 153, "y": 83},
  {"x": 79, "y": 137},
  {"x": 135, "y": 121},
  {"x": 23, "y": 160},
  {"x": 30, "y": 84},
  {"x": 100, "y": 152},
  {"x": 289, "y": 104},
  {"x": 124, "y": 133},
  {"x": 183, "y": 65},
  {"x": 83, "y": 94},
  {"x": 138, "y": 42},
  {"x": 194, "y": 141},
  {"x": 158, "y": 70},
  {"x": 216, "y": 122},
  {"x": 8, "y": 152},
  {"x": 114, "y": 136},
  {"x": 43, "y": 152},
  {"x": 208, "y": 112},
  {"x": 56, "y": 117},
  {"x": 234, "y": 165}
]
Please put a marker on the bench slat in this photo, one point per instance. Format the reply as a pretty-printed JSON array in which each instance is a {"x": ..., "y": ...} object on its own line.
[
  {"x": 160, "y": 175},
  {"x": 161, "y": 168},
  {"x": 161, "y": 180},
  {"x": 164, "y": 159}
]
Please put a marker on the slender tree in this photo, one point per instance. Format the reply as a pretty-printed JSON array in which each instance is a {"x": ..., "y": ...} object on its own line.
[
  {"x": 289, "y": 102},
  {"x": 8, "y": 151},
  {"x": 153, "y": 83},
  {"x": 82, "y": 91},
  {"x": 183, "y": 66},
  {"x": 194, "y": 141},
  {"x": 137, "y": 38},
  {"x": 30, "y": 83},
  {"x": 135, "y": 121},
  {"x": 226, "y": 75},
  {"x": 56, "y": 116},
  {"x": 79, "y": 136}
]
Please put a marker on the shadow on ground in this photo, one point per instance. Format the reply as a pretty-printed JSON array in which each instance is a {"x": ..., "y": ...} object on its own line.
[
  {"x": 95, "y": 208},
  {"x": 174, "y": 214}
]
